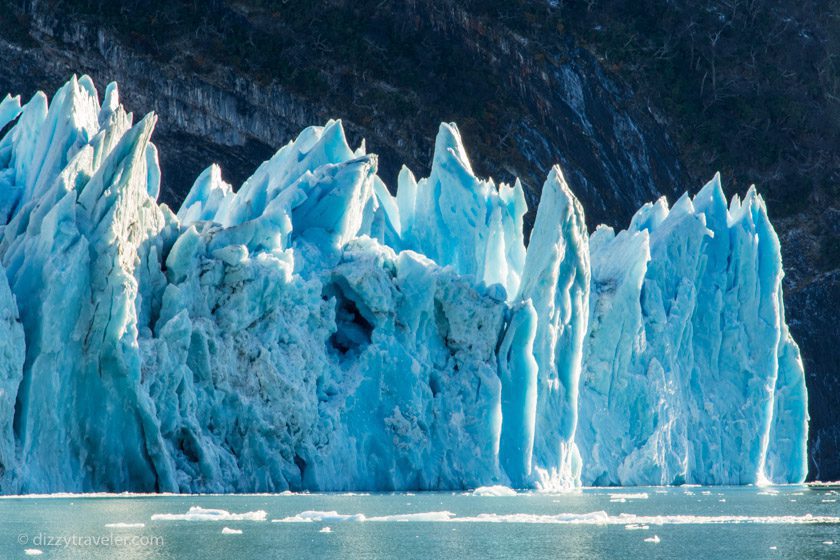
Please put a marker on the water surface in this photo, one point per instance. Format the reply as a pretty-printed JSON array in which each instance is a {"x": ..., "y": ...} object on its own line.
[{"x": 685, "y": 522}]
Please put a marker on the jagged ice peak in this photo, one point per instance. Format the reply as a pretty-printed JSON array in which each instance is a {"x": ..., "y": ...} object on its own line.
[{"x": 310, "y": 330}]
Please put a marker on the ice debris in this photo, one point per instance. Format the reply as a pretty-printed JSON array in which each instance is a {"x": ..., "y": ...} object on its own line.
[
  {"x": 494, "y": 491},
  {"x": 198, "y": 513},
  {"x": 628, "y": 521}
]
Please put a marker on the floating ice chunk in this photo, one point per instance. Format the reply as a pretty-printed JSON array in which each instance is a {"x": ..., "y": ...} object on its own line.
[
  {"x": 593, "y": 518},
  {"x": 630, "y": 521},
  {"x": 654, "y": 539},
  {"x": 198, "y": 513},
  {"x": 333, "y": 516},
  {"x": 629, "y": 496},
  {"x": 33, "y": 551},
  {"x": 636, "y": 527},
  {"x": 122, "y": 525},
  {"x": 321, "y": 516},
  {"x": 416, "y": 517},
  {"x": 229, "y": 531},
  {"x": 494, "y": 491},
  {"x": 325, "y": 530}
]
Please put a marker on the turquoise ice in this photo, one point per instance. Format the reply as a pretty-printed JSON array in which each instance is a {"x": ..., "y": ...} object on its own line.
[
  {"x": 689, "y": 367},
  {"x": 310, "y": 330}
]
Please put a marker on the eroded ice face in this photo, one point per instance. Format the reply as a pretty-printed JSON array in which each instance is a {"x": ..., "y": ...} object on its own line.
[{"x": 310, "y": 330}]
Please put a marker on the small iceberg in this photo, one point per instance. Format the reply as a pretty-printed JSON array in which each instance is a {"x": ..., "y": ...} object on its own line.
[
  {"x": 495, "y": 491},
  {"x": 197, "y": 513}
]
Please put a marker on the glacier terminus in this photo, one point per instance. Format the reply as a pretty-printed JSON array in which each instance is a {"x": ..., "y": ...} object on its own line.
[{"x": 310, "y": 330}]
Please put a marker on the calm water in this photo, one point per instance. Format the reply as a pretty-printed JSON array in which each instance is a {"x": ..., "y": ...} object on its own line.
[{"x": 706, "y": 523}]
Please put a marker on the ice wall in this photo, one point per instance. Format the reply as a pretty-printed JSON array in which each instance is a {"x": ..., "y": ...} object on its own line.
[
  {"x": 310, "y": 330},
  {"x": 690, "y": 374},
  {"x": 12, "y": 352}
]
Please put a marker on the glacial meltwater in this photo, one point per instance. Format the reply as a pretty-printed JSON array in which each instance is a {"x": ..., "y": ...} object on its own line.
[{"x": 709, "y": 523}]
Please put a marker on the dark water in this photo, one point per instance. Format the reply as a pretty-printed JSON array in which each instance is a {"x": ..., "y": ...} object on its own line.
[{"x": 706, "y": 523}]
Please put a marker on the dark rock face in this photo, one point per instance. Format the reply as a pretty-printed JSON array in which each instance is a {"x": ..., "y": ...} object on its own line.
[
  {"x": 233, "y": 81},
  {"x": 523, "y": 103},
  {"x": 812, "y": 304}
]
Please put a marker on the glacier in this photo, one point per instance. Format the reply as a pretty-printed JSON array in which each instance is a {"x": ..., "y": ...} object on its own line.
[
  {"x": 312, "y": 330},
  {"x": 686, "y": 328}
]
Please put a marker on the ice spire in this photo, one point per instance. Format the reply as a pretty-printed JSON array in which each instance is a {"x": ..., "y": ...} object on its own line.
[
  {"x": 457, "y": 219},
  {"x": 556, "y": 280}
]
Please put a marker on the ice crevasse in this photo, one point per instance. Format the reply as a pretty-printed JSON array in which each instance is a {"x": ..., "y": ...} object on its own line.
[{"x": 310, "y": 330}]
